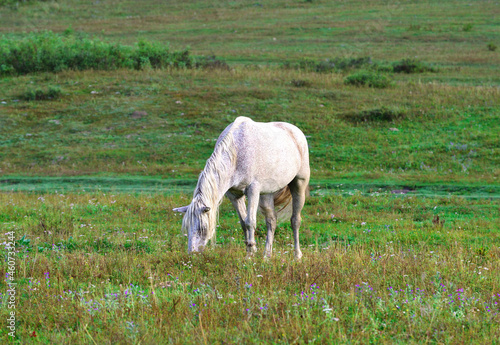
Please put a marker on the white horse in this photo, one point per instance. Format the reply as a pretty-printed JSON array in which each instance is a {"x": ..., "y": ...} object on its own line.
[{"x": 267, "y": 162}]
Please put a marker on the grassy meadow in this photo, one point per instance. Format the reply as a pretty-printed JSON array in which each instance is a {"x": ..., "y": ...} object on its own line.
[{"x": 401, "y": 233}]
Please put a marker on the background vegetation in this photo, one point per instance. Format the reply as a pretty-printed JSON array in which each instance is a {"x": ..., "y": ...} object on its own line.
[{"x": 108, "y": 111}]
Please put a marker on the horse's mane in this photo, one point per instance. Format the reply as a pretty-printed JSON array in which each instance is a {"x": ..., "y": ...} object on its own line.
[{"x": 207, "y": 191}]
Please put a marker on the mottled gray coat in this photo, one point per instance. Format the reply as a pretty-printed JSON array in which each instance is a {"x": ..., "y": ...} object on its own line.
[{"x": 266, "y": 162}]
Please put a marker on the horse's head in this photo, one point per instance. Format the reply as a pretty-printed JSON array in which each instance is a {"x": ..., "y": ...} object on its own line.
[{"x": 198, "y": 223}]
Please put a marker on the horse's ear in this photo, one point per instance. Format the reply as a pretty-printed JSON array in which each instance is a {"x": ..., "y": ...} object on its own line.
[
  {"x": 206, "y": 209},
  {"x": 182, "y": 209}
]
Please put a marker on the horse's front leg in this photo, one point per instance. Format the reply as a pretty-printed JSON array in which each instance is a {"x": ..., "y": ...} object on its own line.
[
  {"x": 253, "y": 195},
  {"x": 239, "y": 204}
]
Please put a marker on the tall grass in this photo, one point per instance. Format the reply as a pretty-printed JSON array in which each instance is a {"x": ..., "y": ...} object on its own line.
[{"x": 113, "y": 267}]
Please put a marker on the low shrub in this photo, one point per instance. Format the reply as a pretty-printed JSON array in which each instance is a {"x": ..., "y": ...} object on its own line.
[
  {"x": 383, "y": 68},
  {"x": 382, "y": 114},
  {"x": 304, "y": 64},
  {"x": 330, "y": 65},
  {"x": 52, "y": 92},
  {"x": 491, "y": 47},
  {"x": 353, "y": 63},
  {"x": 325, "y": 66},
  {"x": 50, "y": 52},
  {"x": 300, "y": 83},
  {"x": 411, "y": 66},
  {"x": 155, "y": 55},
  {"x": 368, "y": 78},
  {"x": 211, "y": 62},
  {"x": 467, "y": 27}
]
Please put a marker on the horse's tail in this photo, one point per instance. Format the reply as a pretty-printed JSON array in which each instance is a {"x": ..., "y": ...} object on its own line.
[
  {"x": 283, "y": 203},
  {"x": 282, "y": 198}
]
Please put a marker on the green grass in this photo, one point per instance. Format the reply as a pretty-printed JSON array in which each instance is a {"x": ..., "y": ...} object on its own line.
[
  {"x": 376, "y": 267},
  {"x": 136, "y": 184},
  {"x": 91, "y": 127},
  {"x": 400, "y": 234}
]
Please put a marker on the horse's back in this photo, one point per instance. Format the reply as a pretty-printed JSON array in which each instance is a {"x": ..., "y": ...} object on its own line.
[{"x": 272, "y": 153}]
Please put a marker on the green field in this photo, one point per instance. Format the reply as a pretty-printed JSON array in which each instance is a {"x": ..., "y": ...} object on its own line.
[{"x": 401, "y": 232}]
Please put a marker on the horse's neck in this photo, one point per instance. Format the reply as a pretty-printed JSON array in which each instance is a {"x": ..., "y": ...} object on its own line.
[
  {"x": 217, "y": 176},
  {"x": 214, "y": 182}
]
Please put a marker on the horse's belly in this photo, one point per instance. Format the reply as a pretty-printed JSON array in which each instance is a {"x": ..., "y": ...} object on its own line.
[
  {"x": 272, "y": 185},
  {"x": 269, "y": 180}
]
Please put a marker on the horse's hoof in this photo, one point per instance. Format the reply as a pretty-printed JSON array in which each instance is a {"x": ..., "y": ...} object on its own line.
[
  {"x": 298, "y": 256},
  {"x": 251, "y": 249}
]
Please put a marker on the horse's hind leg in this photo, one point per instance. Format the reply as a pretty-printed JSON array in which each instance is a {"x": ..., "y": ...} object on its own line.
[
  {"x": 298, "y": 189},
  {"x": 267, "y": 207}
]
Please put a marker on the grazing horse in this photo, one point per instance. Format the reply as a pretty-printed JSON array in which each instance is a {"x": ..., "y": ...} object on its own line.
[{"x": 266, "y": 162}]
